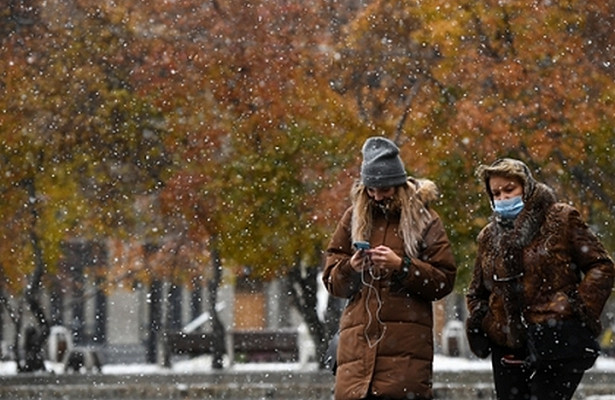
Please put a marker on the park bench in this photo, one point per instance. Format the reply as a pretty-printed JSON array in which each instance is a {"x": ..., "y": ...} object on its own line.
[
  {"x": 265, "y": 346},
  {"x": 246, "y": 345},
  {"x": 190, "y": 344}
]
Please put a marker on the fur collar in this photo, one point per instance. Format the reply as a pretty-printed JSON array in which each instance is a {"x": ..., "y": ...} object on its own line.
[{"x": 519, "y": 232}]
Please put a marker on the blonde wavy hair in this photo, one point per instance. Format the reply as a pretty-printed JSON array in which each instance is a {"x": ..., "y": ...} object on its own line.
[{"x": 411, "y": 199}]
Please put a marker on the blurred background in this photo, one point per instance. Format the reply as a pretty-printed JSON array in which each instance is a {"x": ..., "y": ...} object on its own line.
[{"x": 174, "y": 168}]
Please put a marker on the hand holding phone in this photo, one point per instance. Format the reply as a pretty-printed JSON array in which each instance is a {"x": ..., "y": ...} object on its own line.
[{"x": 357, "y": 261}]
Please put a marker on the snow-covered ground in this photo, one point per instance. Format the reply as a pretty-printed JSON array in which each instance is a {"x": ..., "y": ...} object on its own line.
[{"x": 202, "y": 365}]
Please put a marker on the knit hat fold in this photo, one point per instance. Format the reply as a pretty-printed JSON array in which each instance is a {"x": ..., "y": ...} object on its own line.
[{"x": 382, "y": 166}]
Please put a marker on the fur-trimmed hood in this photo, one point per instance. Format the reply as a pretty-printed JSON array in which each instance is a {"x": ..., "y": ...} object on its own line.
[
  {"x": 426, "y": 190},
  {"x": 511, "y": 168}
]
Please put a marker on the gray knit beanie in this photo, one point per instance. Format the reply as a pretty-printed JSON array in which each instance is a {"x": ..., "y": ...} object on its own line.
[{"x": 382, "y": 166}]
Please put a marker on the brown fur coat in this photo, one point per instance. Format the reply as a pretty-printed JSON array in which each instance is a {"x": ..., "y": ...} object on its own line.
[{"x": 544, "y": 266}]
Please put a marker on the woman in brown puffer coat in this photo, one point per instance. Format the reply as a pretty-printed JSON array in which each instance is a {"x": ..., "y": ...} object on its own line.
[
  {"x": 386, "y": 342},
  {"x": 540, "y": 282}
]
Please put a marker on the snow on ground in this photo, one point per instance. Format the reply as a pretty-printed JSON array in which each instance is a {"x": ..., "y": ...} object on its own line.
[{"x": 202, "y": 364}]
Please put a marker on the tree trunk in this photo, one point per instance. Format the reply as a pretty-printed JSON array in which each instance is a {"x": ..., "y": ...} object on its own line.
[
  {"x": 218, "y": 330},
  {"x": 174, "y": 309},
  {"x": 155, "y": 320},
  {"x": 196, "y": 298},
  {"x": 35, "y": 336},
  {"x": 100, "y": 323},
  {"x": 304, "y": 289}
]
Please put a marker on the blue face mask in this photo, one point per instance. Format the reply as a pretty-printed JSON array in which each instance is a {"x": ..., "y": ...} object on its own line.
[{"x": 508, "y": 208}]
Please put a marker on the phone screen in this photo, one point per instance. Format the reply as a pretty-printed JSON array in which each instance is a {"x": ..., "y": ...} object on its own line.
[{"x": 361, "y": 245}]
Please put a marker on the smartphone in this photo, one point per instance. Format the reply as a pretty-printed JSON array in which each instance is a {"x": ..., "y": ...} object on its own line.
[{"x": 361, "y": 245}]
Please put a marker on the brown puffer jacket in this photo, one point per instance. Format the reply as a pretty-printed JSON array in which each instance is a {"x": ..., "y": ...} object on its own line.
[
  {"x": 386, "y": 343},
  {"x": 563, "y": 270}
]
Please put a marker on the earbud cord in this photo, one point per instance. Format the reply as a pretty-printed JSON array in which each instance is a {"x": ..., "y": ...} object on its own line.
[{"x": 369, "y": 266}]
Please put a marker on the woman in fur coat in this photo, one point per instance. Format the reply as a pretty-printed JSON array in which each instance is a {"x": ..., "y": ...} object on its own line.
[
  {"x": 385, "y": 347},
  {"x": 540, "y": 282}
]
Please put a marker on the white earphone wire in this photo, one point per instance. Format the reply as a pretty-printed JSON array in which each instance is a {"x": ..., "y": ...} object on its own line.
[{"x": 371, "y": 288}]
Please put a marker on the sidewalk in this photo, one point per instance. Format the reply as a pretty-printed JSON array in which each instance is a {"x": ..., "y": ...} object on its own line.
[
  {"x": 457, "y": 379},
  {"x": 233, "y": 385}
]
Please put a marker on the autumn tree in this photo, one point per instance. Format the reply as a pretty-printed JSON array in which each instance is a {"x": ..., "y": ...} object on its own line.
[
  {"x": 530, "y": 83},
  {"x": 458, "y": 84},
  {"x": 77, "y": 144},
  {"x": 266, "y": 138},
  {"x": 212, "y": 135}
]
